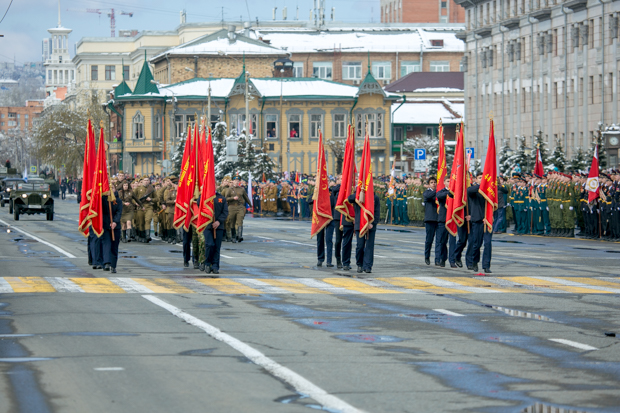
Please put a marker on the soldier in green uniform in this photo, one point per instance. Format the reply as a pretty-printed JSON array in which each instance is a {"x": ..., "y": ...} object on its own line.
[
  {"x": 236, "y": 197},
  {"x": 146, "y": 196}
]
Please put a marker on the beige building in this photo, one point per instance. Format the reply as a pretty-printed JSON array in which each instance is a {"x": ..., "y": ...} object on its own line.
[{"x": 546, "y": 65}]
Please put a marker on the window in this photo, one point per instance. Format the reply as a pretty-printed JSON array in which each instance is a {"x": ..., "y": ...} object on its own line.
[
  {"x": 444, "y": 4},
  {"x": 110, "y": 72},
  {"x": 12, "y": 115},
  {"x": 272, "y": 146},
  {"x": 138, "y": 126},
  {"x": 375, "y": 124},
  {"x": 440, "y": 66},
  {"x": 26, "y": 116},
  {"x": 437, "y": 43},
  {"x": 94, "y": 72},
  {"x": 382, "y": 70},
  {"x": 1, "y": 123},
  {"x": 298, "y": 69},
  {"x": 125, "y": 72},
  {"x": 398, "y": 134},
  {"x": 157, "y": 126},
  {"x": 351, "y": 70},
  {"x": 12, "y": 123},
  {"x": 253, "y": 123},
  {"x": 294, "y": 126},
  {"x": 408, "y": 67},
  {"x": 340, "y": 126},
  {"x": 271, "y": 125},
  {"x": 178, "y": 126},
  {"x": 59, "y": 59},
  {"x": 443, "y": 19},
  {"x": 316, "y": 124},
  {"x": 322, "y": 70}
]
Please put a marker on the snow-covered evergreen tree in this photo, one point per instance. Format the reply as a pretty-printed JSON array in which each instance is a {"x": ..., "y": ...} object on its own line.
[
  {"x": 521, "y": 159},
  {"x": 248, "y": 158},
  {"x": 541, "y": 144},
  {"x": 505, "y": 165},
  {"x": 579, "y": 161},
  {"x": 177, "y": 157},
  {"x": 264, "y": 165},
  {"x": 557, "y": 160},
  {"x": 222, "y": 166}
]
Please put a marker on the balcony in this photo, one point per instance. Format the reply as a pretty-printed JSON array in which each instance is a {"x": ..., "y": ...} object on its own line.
[
  {"x": 484, "y": 31},
  {"x": 116, "y": 147},
  {"x": 511, "y": 23},
  {"x": 141, "y": 145},
  {"x": 542, "y": 14}
]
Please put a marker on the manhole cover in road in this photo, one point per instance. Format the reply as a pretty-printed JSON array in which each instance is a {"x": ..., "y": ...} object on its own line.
[
  {"x": 176, "y": 252},
  {"x": 583, "y": 248},
  {"x": 613, "y": 252},
  {"x": 129, "y": 256}
]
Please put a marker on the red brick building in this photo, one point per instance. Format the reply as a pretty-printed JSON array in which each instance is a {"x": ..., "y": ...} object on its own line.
[
  {"x": 421, "y": 11},
  {"x": 20, "y": 117}
]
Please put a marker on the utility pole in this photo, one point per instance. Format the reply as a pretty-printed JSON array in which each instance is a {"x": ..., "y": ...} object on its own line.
[
  {"x": 209, "y": 104},
  {"x": 247, "y": 104}
]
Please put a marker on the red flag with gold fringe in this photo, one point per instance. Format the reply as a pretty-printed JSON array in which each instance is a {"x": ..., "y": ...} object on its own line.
[
  {"x": 101, "y": 186},
  {"x": 365, "y": 192},
  {"x": 348, "y": 179},
  {"x": 322, "y": 207},
  {"x": 184, "y": 195},
  {"x": 455, "y": 205},
  {"x": 87, "y": 178},
  {"x": 207, "y": 194},
  {"x": 488, "y": 186}
]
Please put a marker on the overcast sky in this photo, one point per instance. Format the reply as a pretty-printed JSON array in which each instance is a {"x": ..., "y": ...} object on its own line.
[{"x": 27, "y": 21}]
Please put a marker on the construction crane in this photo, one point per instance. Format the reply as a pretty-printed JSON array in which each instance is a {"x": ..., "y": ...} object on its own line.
[{"x": 110, "y": 13}]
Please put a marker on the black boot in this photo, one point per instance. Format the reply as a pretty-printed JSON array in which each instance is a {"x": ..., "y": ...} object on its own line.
[
  {"x": 124, "y": 235},
  {"x": 132, "y": 234},
  {"x": 228, "y": 236},
  {"x": 171, "y": 236},
  {"x": 338, "y": 263},
  {"x": 234, "y": 236},
  {"x": 571, "y": 233},
  {"x": 148, "y": 235},
  {"x": 240, "y": 234}
]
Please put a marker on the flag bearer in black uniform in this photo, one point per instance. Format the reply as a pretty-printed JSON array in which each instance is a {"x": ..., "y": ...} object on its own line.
[
  {"x": 217, "y": 227},
  {"x": 441, "y": 237},
  {"x": 112, "y": 212},
  {"x": 430, "y": 217}
]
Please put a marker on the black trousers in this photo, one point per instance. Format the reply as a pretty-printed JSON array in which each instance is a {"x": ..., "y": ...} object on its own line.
[
  {"x": 441, "y": 243},
  {"x": 94, "y": 249},
  {"x": 333, "y": 226},
  {"x": 478, "y": 238},
  {"x": 109, "y": 247},
  {"x": 187, "y": 245},
  {"x": 365, "y": 250},
  {"x": 213, "y": 246},
  {"x": 457, "y": 246},
  {"x": 320, "y": 246},
  {"x": 347, "y": 244},
  {"x": 431, "y": 228}
]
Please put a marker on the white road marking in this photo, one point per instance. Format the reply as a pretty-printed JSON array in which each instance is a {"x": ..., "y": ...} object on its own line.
[
  {"x": 225, "y": 256},
  {"x": 295, "y": 242},
  {"x": 410, "y": 242},
  {"x": 285, "y": 374},
  {"x": 262, "y": 286},
  {"x": 109, "y": 369},
  {"x": 573, "y": 344},
  {"x": 5, "y": 287},
  {"x": 49, "y": 244},
  {"x": 130, "y": 285},
  {"x": 64, "y": 285},
  {"x": 15, "y": 335},
  {"x": 448, "y": 312},
  {"x": 379, "y": 256},
  {"x": 449, "y": 284},
  {"x": 262, "y": 237},
  {"x": 580, "y": 285}
]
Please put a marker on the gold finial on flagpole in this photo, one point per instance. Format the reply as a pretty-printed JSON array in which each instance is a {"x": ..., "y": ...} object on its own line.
[
  {"x": 491, "y": 115},
  {"x": 440, "y": 122},
  {"x": 101, "y": 124},
  {"x": 88, "y": 113}
]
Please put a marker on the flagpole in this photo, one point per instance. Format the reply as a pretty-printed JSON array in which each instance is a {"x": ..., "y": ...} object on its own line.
[{"x": 110, "y": 189}]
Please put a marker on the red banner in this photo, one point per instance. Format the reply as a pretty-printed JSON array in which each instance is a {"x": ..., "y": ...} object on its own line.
[
  {"x": 538, "y": 167},
  {"x": 101, "y": 186},
  {"x": 455, "y": 205},
  {"x": 188, "y": 173},
  {"x": 322, "y": 207},
  {"x": 208, "y": 186},
  {"x": 442, "y": 170},
  {"x": 348, "y": 179},
  {"x": 88, "y": 171},
  {"x": 201, "y": 161},
  {"x": 592, "y": 184},
  {"x": 365, "y": 193},
  {"x": 488, "y": 186}
]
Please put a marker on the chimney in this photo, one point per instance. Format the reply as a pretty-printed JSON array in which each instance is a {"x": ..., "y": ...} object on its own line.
[
  {"x": 274, "y": 13},
  {"x": 284, "y": 13},
  {"x": 231, "y": 32},
  {"x": 246, "y": 29},
  {"x": 183, "y": 16},
  {"x": 333, "y": 13}
]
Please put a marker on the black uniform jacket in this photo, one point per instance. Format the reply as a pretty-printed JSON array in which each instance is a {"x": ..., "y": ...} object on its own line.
[
  {"x": 430, "y": 207},
  {"x": 442, "y": 196},
  {"x": 475, "y": 202},
  {"x": 220, "y": 212},
  {"x": 358, "y": 212},
  {"x": 117, "y": 211}
]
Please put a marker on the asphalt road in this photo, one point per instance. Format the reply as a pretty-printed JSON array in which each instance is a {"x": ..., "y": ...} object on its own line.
[{"x": 277, "y": 334}]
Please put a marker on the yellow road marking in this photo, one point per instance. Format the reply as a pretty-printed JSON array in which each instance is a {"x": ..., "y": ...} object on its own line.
[
  {"x": 480, "y": 282},
  {"x": 30, "y": 285},
  {"x": 294, "y": 286},
  {"x": 535, "y": 282},
  {"x": 357, "y": 286},
  {"x": 592, "y": 281},
  {"x": 98, "y": 285},
  {"x": 413, "y": 284},
  {"x": 228, "y": 286},
  {"x": 162, "y": 285}
]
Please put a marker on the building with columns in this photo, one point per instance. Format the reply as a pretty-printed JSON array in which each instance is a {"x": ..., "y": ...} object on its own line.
[
  {"x": 547, "y": 65},
  {"x": 59, "y": 69}
]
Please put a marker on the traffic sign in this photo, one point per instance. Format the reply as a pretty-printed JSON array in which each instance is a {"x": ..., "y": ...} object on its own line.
[
  {"x": 33, "y": 169},
  {"x": 420, "y": 154},
  {"x": 470, "y": 152}
]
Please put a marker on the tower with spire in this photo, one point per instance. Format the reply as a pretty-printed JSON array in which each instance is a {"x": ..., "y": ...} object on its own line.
[{"x": 59, "y": 69}]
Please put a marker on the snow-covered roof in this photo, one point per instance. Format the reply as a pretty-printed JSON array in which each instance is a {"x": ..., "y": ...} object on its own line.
[
  {"x": 380, "y": 40},
  {"x": 269, "y": 88},
  {"x": 424, "y": 112},
  {"x": 438, "y": 89}
]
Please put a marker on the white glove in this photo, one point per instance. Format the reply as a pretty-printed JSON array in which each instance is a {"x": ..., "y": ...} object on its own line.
[
  {"x": 561, "y": 206},
  {"x": 423, "y": 204},
  {"x": 507, "y": 205},
  {"x": 570, "y": 208},
  {"x": 547, "y": 208}
]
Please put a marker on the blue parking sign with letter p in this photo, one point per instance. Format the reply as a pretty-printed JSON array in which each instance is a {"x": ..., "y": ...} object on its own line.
[
  {"x": 470, "y": 152},
  {"x": 420, "y": 154}
]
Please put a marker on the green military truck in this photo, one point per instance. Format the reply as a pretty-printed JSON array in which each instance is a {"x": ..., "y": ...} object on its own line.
[{"x": 31, "y": 197}]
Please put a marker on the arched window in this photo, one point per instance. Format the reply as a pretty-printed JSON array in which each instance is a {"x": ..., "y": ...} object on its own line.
[{"x": 138, "y": 126}]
